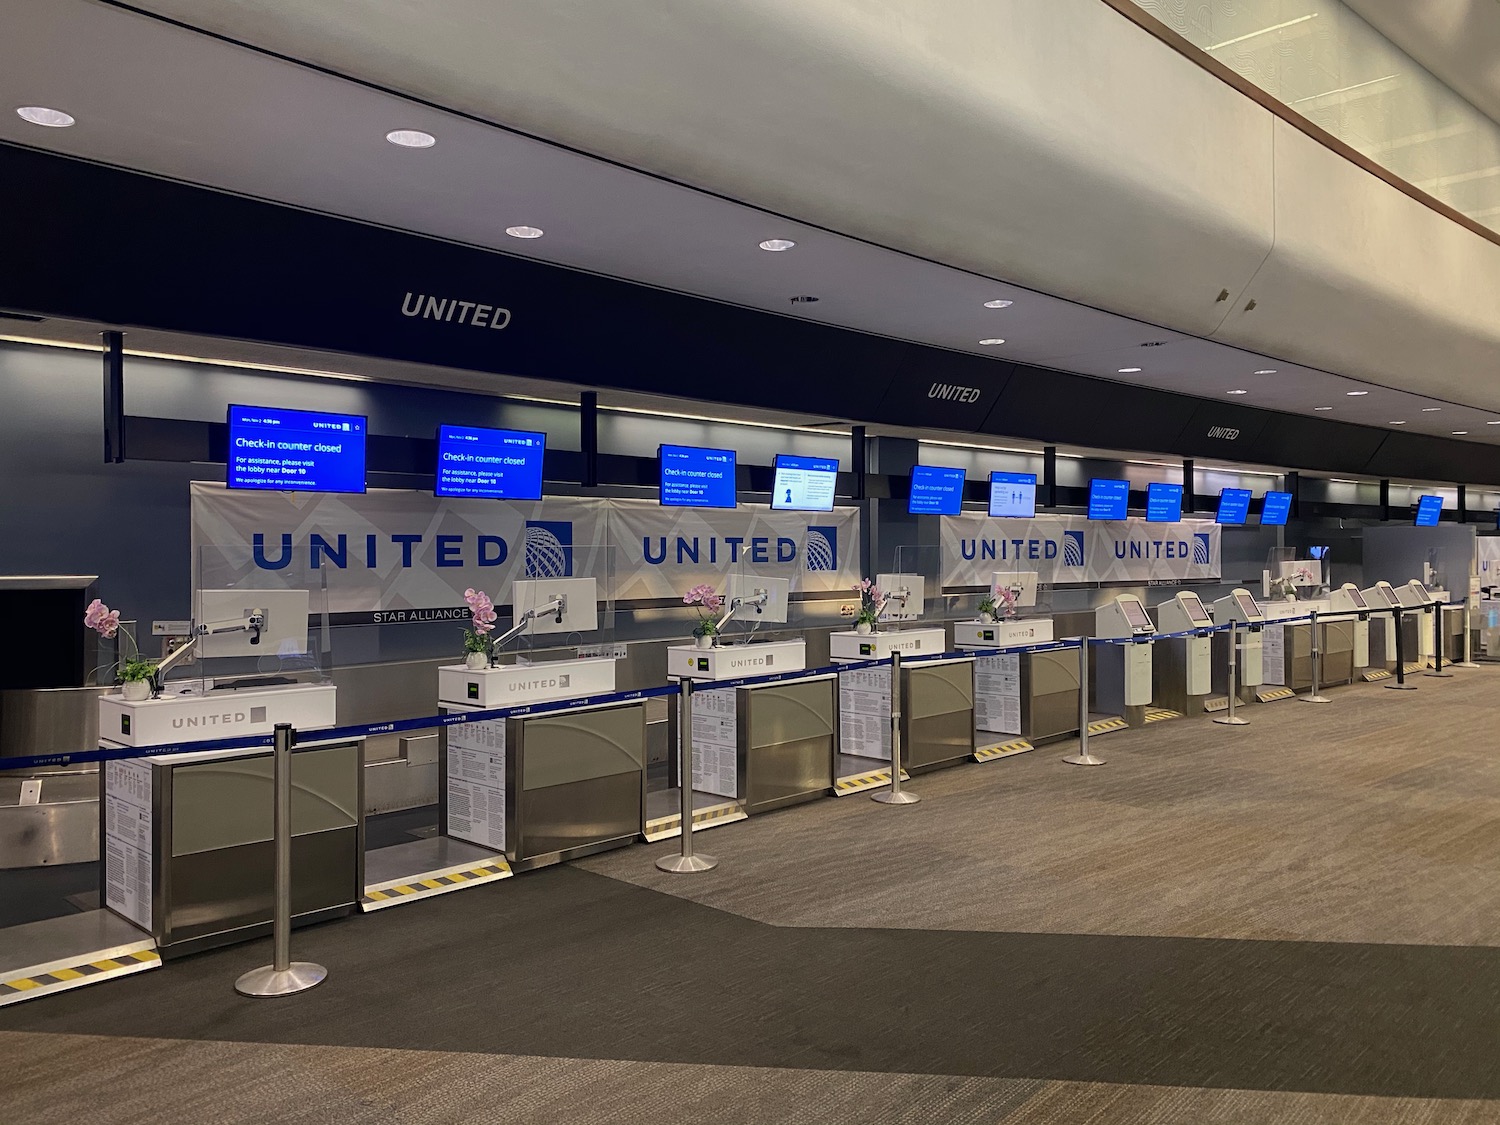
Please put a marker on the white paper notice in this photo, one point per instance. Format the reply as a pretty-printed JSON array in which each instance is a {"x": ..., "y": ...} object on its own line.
[
  {"x": 1272, "y": 664},
  {"x": 127, "y": 840},
  {"x": 865, "y": 713},
  {"x": 476, "y": 783},
  {"x": 997, "y": 693},
  {"x": 716, "y": 742}
]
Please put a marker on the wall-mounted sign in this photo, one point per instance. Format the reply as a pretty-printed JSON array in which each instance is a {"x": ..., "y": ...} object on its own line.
[{"x": 1069, "y": 549}]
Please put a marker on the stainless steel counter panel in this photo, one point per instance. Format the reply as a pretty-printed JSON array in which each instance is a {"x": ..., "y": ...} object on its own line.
[
  {"x": 937, "y": 714},
  {"x": 49, "y": 721},
  {"x": 1049, "y": 695},
  {"x": 787, "y": 741}
]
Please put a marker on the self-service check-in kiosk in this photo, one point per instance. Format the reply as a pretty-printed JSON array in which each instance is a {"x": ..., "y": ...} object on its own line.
[
  {"x": 1382, "y": 596},
  {"x": 1349, "y": 602},
  {"x": 1182, "y": 667},
  {"x": 1122, "y": 672},
  {"x": 1240, "y": 607},
  {"x": 1416, "y": 597}
]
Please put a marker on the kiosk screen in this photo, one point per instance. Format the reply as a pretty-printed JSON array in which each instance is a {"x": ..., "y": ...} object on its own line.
[
  {"x": 1358, "y": 599},
  {"x": 1135, "y": 614},
  {"x": 1194, "y": 609},
  {"x": 1163, "y": 503},
  {"x": 1248, "y": 609}
]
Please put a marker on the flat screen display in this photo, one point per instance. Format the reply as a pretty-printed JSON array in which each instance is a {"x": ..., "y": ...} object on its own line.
[
  {"x": 1193, "y": 607},
  {"x": 1234, "y": 506},
  {"x": 490, "y": 464},
  {"x": 295, "y": 450},
  {"x": 1136, "y": 615},
  {"x": 1317, "y": 552},
  {"x": 1248, "y": 609},
  {"x": 1163, "y": 503},
  {"x": 936, "y": 491},
  {"x": 1276, "y": 508},
  {"x": 804, "y": 484},
  {"x": 1357, "y": 598},
  {"x": 1013, "y": 495},
  {"x": 1108, "y": 499},
  {"x": 1381, "y": 595},
  {"x": 692, "y": 477},
  {"x": 1429, "y": 510}
]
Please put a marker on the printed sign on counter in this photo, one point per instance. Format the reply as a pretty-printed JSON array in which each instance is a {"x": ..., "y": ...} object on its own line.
[
  {"x": 716, "y": 742},
  {"x": 476, "y": 783},
  {"x": 865, "y": 713},
  {"x": 997, "y": 693},
  {"x": 1272, "y": 663},
  {"x": 127, "y": 839}
]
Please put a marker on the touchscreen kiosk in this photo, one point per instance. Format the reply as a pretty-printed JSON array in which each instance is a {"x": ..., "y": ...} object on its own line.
[
  {"x": 1234, "y": 506},
  {"x": 1124, "y": 671},
  {"x": 1413, "y": 595},
  {"x": 1275, "y": 509},
  {"x": 1108, "y": 499},
  {"x": 1012, "y": 495},
  {"x": 1183, "y": 668},
  {"x": 1348, "y": 600},
  {"x": 804, "y": 484},
  {"x": 1163, "y": 503},
  {"x": 1239, "y": 606}
]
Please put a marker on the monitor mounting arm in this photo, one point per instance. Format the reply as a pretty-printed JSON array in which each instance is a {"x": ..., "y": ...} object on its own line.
[
  {"x": 558, "y": 604},
  {"x": 254, "y": 623},
  {"x": 758, "y": 600},
  {"x": 901, "y": 595}
]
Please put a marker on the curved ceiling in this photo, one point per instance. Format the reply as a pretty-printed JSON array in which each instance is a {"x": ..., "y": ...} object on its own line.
[
  {"x": 1053, "y": 145},
  {"x": 1457, "y": 40}
]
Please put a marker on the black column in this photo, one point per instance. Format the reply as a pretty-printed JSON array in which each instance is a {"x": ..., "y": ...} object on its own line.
[{"x": 114, "y": 398}]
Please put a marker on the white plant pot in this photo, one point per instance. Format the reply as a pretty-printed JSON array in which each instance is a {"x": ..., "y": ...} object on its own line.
[
  {"x": 863, "y": 628},
  {"x": 477, "y": 661},
  {"x": 986, "y": 618},
  {"x": 136, "y": 690},
  {"x": 704, "y": 640}
]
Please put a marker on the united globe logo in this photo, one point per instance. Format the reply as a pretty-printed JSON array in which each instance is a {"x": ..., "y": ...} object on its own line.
[
  {"x": 1072, "y": 548},
  {"x": 1202, "y": 554},
  {"x": 549, "y": 549},
  {"x": 822, "y": 548}
]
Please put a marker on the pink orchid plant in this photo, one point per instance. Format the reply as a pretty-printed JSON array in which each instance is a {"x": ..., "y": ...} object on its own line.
[
  {"x": 106, "y": 622},
  {"x": 481, "y": 621},
  {"x": 101, "y": 619},
  {"x": 871, "y": 602},
  {"x": 708, "y": 602},
  {"x": 1000, "y": 603}
]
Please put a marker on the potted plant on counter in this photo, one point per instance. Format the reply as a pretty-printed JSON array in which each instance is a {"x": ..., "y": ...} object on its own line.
[
  {"x": 135, "y": 674},
  {"x": 998, "y": 605},
  {"x": 707, "y": 602},
  {"x": 871, "y": 602},
  {"x": 478, "y": 652}
]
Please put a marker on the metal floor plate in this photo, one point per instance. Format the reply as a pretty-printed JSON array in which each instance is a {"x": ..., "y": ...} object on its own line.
[
  {"x": 421, "y": 869},
  {"x": 57, "y": 954}
]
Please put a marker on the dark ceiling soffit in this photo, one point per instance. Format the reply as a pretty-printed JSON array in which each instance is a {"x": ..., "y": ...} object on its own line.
[{"x": 122, "y": 248}]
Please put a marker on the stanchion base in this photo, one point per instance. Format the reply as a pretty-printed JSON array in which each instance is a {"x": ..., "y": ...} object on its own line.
[
  {"x": 1314, "y": 699},
  {"x": 1465, "y": 664},
  {"x": 1235, "y": 721},
  {"x": 685, "y": 864},
  {"x": 1083, "y": 760},
  {"x": 270, "y": 981},
  {"x": 1400, "y": 687},
  {"x": 1438, "y": 675},
  {"x": 886, "y": 797}
]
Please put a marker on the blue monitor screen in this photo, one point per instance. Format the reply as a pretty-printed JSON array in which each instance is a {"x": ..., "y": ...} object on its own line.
[
  {"x": 1108, "y": 499},
  {"x": 1429, "y": 510},
  {"x": 936, "y": 491},
  {"x": 1234, "y": 506},
  {"x": 804, "y": 484},
  {"x": 697, "y": 478},
  {"x": 1163, "y": 503},
  {"x": 1276, "y": 508},
  {"x": 1317, "y": 552},
  {"x": 490, "y": 464},
  {"x": 1013, "y": 495},
  {"x": 295, "y": 450}
]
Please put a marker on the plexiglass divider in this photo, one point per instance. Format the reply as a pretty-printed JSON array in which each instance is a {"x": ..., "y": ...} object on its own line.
[{"x": 561, "y": 606}]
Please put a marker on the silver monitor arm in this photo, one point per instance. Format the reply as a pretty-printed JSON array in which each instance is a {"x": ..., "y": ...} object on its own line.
[
  {"x": 900, "y": 595},
  {"x": 558, "y": 605},
  {"x": 758, "y": 600},
  {"x": 254, "y": 623}
]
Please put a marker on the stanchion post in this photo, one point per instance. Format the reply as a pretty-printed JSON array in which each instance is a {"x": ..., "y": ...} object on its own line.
[
  {"x": 1400, "y": 684},
  {"x": 1437, "y": 672},
  {"x": 1315, "y": 696},
  {"x": 895, "y": 795},
  {"x": 1232, "y": 679},
  {"x": 1468, "y": 653},
  {"x": 1083, "y": 757},
  {"x": 283, "y": 977},
  {"x": 686, "y": 861}
]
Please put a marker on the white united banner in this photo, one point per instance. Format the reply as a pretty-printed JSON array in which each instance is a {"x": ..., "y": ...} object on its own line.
[
  {"x": 1064, "y": 549},
  {"x": 393, "y": 555}
]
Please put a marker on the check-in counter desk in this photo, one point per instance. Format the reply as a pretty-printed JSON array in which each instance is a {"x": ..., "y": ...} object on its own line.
[
  {"x": 543, "y": 787},
  {"x": 188, "y": 849},
  {"x": 767, "y": 744},
  {"x": 937, "y": 699},
  {"x": 1030, "y": 694},
  {"x": 1287, "y": 647}
]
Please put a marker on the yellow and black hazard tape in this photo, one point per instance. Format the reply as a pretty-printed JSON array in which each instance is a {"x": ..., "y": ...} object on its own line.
[
  {"x": 1417, "y": 667},
  {"x": 1004, "y": 750},
  {"x": 856, "y": 783},
  {"x": 1376, "y": 674},
  {"x": 425, "y": 886},
  {"x": 1217, "y": 703},
  {"x": 716, "y": 815},
  {"x": 1270, "y": 695},
  {"x": 73, "y": 976},
  {"x": 1161, "y": 714},
  {"x": 1104, "y": 726}
]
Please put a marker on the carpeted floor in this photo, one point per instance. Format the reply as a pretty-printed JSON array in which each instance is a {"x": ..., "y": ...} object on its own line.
[{"x": 1292, "y": 921}]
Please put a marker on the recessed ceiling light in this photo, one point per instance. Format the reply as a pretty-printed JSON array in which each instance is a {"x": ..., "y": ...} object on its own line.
[
  {"x": 411, "y": 138},
  {"x": 1267, "y": 371},
  {"x": 41, "y": 115},
  {"x": 1459, "y": 433},
  {"x": 1431, "y": 409},
  {"x": 987, "y": 343},
  {"x": 1129, "y": 370},
  {"x": 998, "y": 304},
  {"x": 1356, "y": 394},
  {"x": 1236, "y": 392},
  {"x": 775, "y": 244},
  {"x": 1398, "y": 423},
  {"x": 524, "y": 232},
  {"x": 1322, "y": 408}
]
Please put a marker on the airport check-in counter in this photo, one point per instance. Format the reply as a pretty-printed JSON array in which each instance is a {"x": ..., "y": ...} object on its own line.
[
  {"x": 1241, "y": 608},
  {"x": 1416, "y": 622},
  {"x": 1382, "y": 597},
  {"x": 1122, "y": 672},
  {"x": 1182, "y": 667},
  {"x": 188, "y": 851},
  {"x": 1287, "y": 646},
  {"x": 1349, "y": 604},
  {"x": 547, "y": 787},
  {"x": 1030, "y": 694}
]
